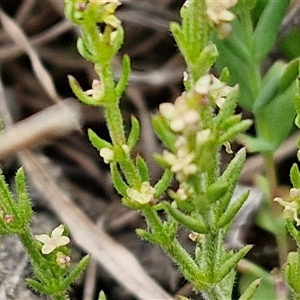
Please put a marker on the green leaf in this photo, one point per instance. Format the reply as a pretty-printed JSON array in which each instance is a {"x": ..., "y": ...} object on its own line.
[
  {"x": 290, "y": 74},
  {"x": 254, "y": 144},
  {"x": 266, "y": 30},
  {"x": 270, "y": 86},
  {"x": 7, "y": 202},
  {"x": 142, "y": 168},
  {"x": 275, "y": 121},
  {"x": 216, "y": 191},
  {"x": 185, "y": 220},
  {"x": 38, "y": 287},
  {"x": 122, "y": 83},
  {"x": 164, "y": 182},
  {"x": 97, "y": 141},
  {"x": 234, "y": 130},
  {"x": 80, "y": 94},
  {"x": 227, "y": 109},
  {"x": 24, "y": 202},
  {"x": 227, "y": 217},
  {"x": 242, "y": 71},
  {"x": 295, "y": 176},
  {"x": 238, "y": 48},
  {"x": 230, "y": 263},
  {"x": 102, "y": 296},
  {"x": 231, "y": 175},
  {"x": 134, "y": 132},
  {"x": 117, "y": 179},
  {"x": 76, "y": 272},
  {"x": 163, "y": 132},
  {"x": 265, "y": 290},
  {"x": 250, "y": 291}
]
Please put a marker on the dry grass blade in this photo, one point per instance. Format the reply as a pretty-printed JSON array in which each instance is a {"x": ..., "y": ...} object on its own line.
[
  {"x": 55, "y": 121},
  {"x": 115, "y": 258},
  {"x": 18, "y": 36}
]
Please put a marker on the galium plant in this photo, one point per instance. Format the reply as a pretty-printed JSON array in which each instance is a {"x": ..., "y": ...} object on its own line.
[
  {"x": 49, "y": 255},
  {"x": 193, "y": 130}
]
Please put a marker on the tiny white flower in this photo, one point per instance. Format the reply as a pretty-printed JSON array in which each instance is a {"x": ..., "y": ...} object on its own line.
[
  {"x": 202, "y": 85},
  {"x": 179, "y": 115},
  {"x": 97, "y": 90},
  {"x": 181, "y": 163},
  {"x": 294, "y": 193},
  {"x": 63, "y": 260},
  {"x": 107, "y": 154},
  {"x": 218, "y": 12},
  {"x": 203, "y": 136},
  {"x": 290, "y": 209},
  {"x": 144, "y": 195},
  {"x": 54, "y": 241}
]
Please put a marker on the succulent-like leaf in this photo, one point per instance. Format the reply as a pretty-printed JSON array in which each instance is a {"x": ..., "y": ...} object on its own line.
[
  {"x": 134, "y": 132},
  {"x": 76, "y": 272},
  {"x": 164, "y": 182},
  {"x": 232, "y": 210},
  {"x": 295, "y": 176},
  {"x": 118, "y": 181},
  {"x": 231, "y": 175},
  {"x": 142, "y": 168},
  {"x": 266, "y": 30},
  {"x": 97, "y": 141},
  {"x": 250, "y": 291},
  {"x": 122, "y": 83},
  {"x": 163, "y": 132},
  {"x": 230, "y": 263},
  {"x": 187, "y": 221}
]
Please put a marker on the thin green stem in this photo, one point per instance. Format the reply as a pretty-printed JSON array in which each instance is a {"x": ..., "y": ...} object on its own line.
[
  {"x": 180, "y": 256},
  {"x": 115, "y": 123},
  {"x": 280, "y": 233}
]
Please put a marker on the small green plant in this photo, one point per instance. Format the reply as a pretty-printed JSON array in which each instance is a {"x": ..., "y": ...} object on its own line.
[
  {"x": 193, "y": 130},
  {"x": 49, "y": 256}
]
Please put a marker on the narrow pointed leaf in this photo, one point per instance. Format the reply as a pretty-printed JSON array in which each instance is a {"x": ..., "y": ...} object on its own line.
[
  {"x": 231, "y": 175},
  {"x": 227, "y": 108},
  {"x": 142, "y": 168},
  {"x": 97, "y": 141},
  {"x": 230, "y": 263},
  {"x": 163, "y": 132},
  {"x": 266, "y": 30},
  {"x": 250, "y": 291},
  {"x": 295, "y": 176},
  {"x": 76, "y": 272},
  {"x": 232, "y": 210},
  {"x": 234, "y": 130},
  {"x": 216, "y": 191},
  {"x": 187, "y": 221},
  {"x": 164, "y": 182},
  {"x": 122, "y": 83},
  {"x": 117, "y": 179},
  {"x": 24, "y": 202},
  {"x": 134, "y": 132}
]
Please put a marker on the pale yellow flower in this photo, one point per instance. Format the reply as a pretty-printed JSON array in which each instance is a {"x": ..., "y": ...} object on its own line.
[
  {"x": 290, "y": 209},
  {"x": 143, "y": 196},
  {"x": 109, "y": 7},
  {"x": 97, "y": 90},
  {"x": 63, "y": 260},
  {"x": 54, "y": 241},
  {"x": 217, "y": 10},
  {"x": 181, "y": 163},
  {"x": 107, "y": 154},
  {"x": 209, "y": 85},
  {"x": 179, "y": 114}
]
